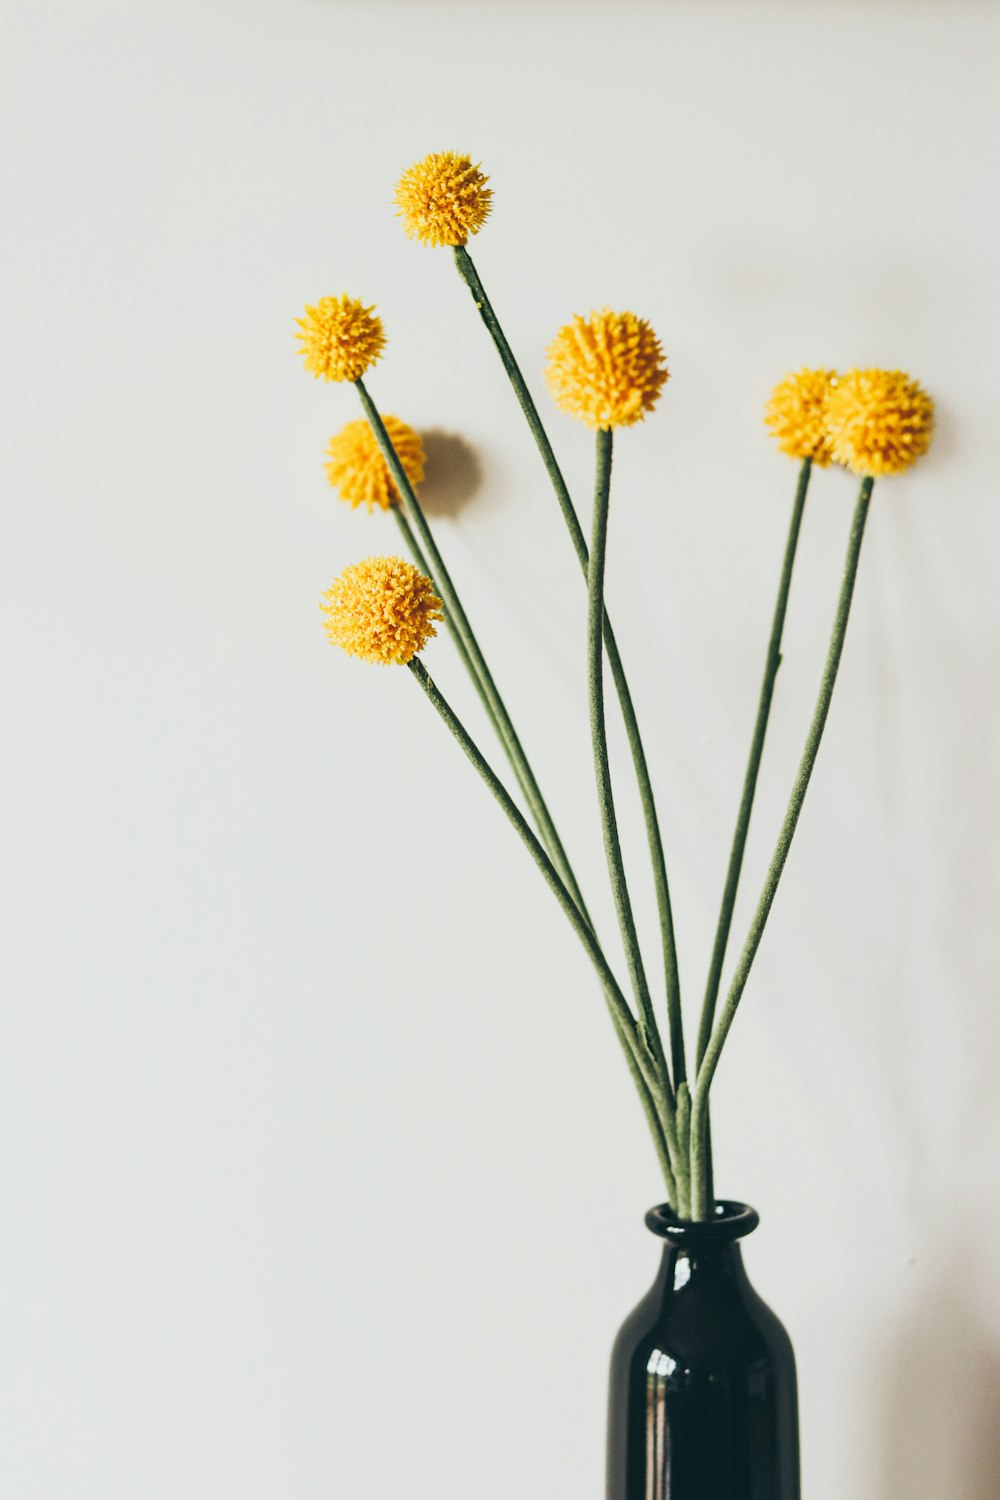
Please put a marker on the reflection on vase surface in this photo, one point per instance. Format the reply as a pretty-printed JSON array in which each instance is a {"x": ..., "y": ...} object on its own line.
[{"x": 703, "y": 1397}]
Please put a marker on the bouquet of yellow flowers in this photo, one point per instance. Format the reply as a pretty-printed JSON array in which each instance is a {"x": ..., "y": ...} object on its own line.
[{"x": 608, "y": 370}]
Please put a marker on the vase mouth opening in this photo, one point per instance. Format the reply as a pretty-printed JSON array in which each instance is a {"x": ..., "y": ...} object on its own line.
[{"x": 729, "y": 1221}]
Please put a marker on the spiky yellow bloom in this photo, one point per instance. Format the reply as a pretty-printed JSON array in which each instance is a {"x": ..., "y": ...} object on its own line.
[
  {"x": 881, "y": 421},
  {"x": 340, "y": 338},
  {"x": 797, "y": 414},
  {"x": 443, "y": 199},
  {"x": 360, "y": 474},
  {"x": 381, "y": 610},
  {"x": 607, "y": 369}
]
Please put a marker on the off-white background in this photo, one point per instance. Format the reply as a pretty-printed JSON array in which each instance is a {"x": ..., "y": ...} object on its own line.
[{"x": 321, "y": 1173}]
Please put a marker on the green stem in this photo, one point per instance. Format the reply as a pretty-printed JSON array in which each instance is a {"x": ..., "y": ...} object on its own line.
[
  {"x": 710, "y": 1061},
  {"x": 683, "y": 1123},
  {"x": 653, "y": 1113},
  {"x": 453, "y": 605},
  {"x": 417, "y": 554},
  {"x": 654, "y": 839},
  {"x": 595, "y": 685},
  {"x": 771, "y": 664},
  {"x": 622, "y": 1017}
]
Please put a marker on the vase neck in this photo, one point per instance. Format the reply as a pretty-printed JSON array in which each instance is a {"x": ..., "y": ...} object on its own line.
[
  {"x": 716, "y": 1266},
  {"x": 705, "y": 1252}
]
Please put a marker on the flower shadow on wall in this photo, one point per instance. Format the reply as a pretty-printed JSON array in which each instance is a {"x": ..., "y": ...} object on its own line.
[{"x": 453, "y": 473}]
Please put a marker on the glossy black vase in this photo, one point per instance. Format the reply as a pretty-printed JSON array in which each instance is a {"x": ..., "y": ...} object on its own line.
[{"x": 703, "y": 1396}]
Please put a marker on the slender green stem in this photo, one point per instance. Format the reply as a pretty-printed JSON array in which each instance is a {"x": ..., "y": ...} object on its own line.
[
  {"x": 771, "y": 664},
  {"x": 654, "y": 839},
  {"x": 419, "y": 558},
  {"x": 684, "y": 1147},
  {"x": 595, "y": 686},
  {"x": 710, "y": 1061},
  {"x": 621, "y": 1015},
  {"x": 406, "y": 531},
  {"x": 469, "y": 274},
  {"x": 652, "y": 1112},
  {"x": 453, "y": 605},
  {"x": 416, "y": 552}
]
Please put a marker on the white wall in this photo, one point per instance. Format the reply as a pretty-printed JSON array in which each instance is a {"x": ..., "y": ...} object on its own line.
[{"x": 321, "y": 1174}]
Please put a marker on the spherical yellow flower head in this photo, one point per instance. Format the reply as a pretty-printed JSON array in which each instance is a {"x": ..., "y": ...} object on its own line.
[
  {"x": 443, "y": 199},
  {"x": 340, "y": 338},
  {"x": 358, "y": 471},
  {"x": 381, "y": 610},
  {"x": 797, "y": 414},
  {"x": 607, "y": 369},
  {"x": 880, "y": 421}
]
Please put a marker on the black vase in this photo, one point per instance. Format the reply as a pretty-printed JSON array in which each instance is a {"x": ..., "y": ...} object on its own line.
[{"x": 703, "y": 1396}]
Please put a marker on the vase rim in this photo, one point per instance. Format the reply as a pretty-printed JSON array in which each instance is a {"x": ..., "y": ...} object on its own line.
[{"x": 730, "y": 1221}]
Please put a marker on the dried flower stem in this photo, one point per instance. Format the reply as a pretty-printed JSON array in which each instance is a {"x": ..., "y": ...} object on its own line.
[
  {"x": 470, "y": 276},
  {"x": 453, "y": 606},
  {"x": 710, "y": 1061},
  {"x": 595, "y": 687},
  {"x": 683, "y": 1127},
  {"x": 771, "y": 665},
  {"x": 621, "y": 1015},
  {"x": 417, "y": 554}
]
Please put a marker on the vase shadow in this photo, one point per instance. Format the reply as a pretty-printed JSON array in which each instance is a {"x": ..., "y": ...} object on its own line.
[
  {"x": 942, "y": 1395},
  {"x": 454, "y": 474}
]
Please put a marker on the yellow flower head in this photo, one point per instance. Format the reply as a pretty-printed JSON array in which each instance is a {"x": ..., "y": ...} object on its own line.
[
  {"x": 358, "y": 471},
  {"x": 881, "y": 421},
  {"x": 608, "y": 369},
  {"x": 443, "y": 199},
  {"x": 797, "y": 414},
  {"x": 340, "y": 338},
  {"x": 381, "y": 610}
]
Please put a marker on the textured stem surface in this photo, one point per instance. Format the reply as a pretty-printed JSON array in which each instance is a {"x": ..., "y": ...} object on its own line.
[
  {"x": 416, "y": 552},
  {"x": 710, "y": 1062},
  {"x": 453, "y": 606},
  {"x": 595, "y": 692},
  {"x": 771, "y": 665},
  {"x": 654, "y": 838},
  {"x": 683, "y": 1175},
  {"x": 624, "y": 1022}
]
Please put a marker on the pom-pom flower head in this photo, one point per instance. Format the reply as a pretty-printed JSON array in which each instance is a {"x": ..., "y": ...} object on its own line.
[
  {"x": 340, "y": 338},
  {"x": 880, "y": 421},
  {"x": 608, "y": 369},
  {"x": 360, "y": 474},
  {"x": 797, "y": 414},
  {"x": 381, "y": 610},
  {"x": 443, "y": 199}
]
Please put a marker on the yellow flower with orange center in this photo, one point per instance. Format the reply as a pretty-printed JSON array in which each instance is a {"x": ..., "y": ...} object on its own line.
[
  {"x": 443, "y": 199},
  {"x": 381, "y": 610},
  {"x": 797, "y": 414},
  {"x": 357, "y": 470},
  {"x": 340, "y": 338},
  {"x": 880, "y": 421},
  {"x": 608, "y": 369}
]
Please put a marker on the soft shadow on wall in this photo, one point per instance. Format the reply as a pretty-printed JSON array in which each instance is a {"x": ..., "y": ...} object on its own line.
[
  {"x": 453, "y": 474},
  {"x": 942, "y": 1393}
]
